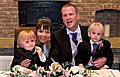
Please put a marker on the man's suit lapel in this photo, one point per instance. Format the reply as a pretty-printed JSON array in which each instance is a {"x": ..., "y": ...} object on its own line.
[
  {"x": 66, "y": 41},
  {"x": 84, "y": 33}
]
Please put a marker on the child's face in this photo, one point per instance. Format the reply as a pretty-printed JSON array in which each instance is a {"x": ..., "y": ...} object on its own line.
[
  {"x": 43, "y": 35},
  {"x": 95, "y": 34},
  {"x": 28, "y": 44}
]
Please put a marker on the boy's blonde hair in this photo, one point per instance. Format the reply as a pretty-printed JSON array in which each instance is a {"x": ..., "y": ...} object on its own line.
[
  {"x": 25, "y": 35},
  {"x": 95, "y": 25}
]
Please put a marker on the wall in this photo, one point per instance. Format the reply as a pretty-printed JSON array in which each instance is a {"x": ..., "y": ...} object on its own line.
[
  {"x": 9, "y": 19},
  {"x": 87, "y": 8}
]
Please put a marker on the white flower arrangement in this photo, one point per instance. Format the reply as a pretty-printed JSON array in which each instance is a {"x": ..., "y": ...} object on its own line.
[
  {"x": 76, "y": 69},
  {"x": 55, "y": 70},
  {"x": 19, "y": 71}
]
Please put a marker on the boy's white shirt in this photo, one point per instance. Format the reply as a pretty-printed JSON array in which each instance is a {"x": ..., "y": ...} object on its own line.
[{"x": 42, "y": 57}]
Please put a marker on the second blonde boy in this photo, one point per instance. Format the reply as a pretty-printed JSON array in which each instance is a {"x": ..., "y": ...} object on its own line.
[{"x": 95, "y": 57}]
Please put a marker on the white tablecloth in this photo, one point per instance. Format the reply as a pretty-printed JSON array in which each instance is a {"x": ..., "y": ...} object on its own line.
[{"x": 105, "y": 73}]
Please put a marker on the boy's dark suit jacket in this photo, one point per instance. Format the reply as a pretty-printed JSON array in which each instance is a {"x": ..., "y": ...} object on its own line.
[
  {"x": 60, "y": 45},
  {"x": 21, "y": 54},
  {"x": 84, "y": 53}
]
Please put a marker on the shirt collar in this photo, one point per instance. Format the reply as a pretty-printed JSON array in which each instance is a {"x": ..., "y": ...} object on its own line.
[
  {"x": 76, "y": 31},
  {"x": 91, "y": 42}
]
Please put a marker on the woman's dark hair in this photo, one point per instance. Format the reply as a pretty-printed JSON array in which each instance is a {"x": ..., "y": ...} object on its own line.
[{"x": 45, "y": 23}]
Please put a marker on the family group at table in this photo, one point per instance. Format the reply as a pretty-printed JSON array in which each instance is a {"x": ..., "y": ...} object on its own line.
[{"x": 73, "y": 44}]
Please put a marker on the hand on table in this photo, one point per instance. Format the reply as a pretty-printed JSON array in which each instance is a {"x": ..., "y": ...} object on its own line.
[{"x": 100, "y": 62}]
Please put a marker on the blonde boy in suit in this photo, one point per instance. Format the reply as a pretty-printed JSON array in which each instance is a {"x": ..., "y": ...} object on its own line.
[{"x": 98, "y": 56}]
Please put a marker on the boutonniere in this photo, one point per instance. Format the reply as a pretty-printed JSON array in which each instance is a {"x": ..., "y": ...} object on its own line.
[{"x": 100, "y": 44}]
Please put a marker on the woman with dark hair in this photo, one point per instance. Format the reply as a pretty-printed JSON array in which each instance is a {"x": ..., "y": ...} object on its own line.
[{"x": 43, "y": 33}]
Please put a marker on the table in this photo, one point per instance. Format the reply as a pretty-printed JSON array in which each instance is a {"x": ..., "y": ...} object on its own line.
[{"x": 105, "y": 73}]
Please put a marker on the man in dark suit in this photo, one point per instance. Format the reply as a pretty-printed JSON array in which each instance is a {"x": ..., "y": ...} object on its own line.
[
  {"x": 95, "y": 53},
  {"x": 64, "y": 41}
]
